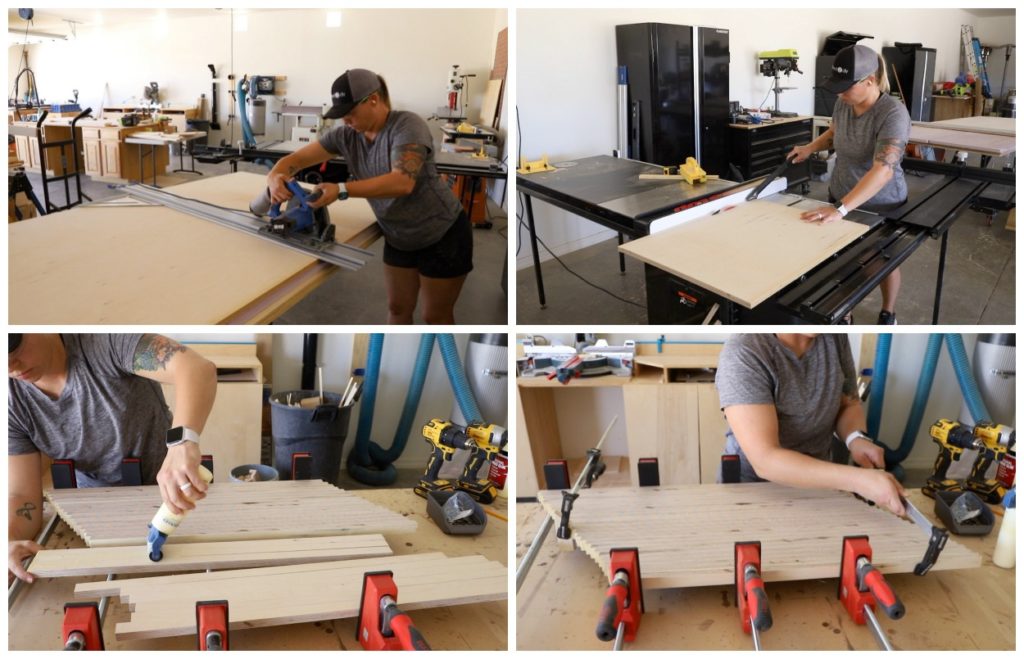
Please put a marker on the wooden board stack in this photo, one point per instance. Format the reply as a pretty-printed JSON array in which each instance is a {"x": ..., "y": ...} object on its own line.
[
  {"x": 686, "y": 533},
  {"x": 261, "y": 597},
  {"x": 109, "y": 516},
  {"x": 206, "y": 555}
]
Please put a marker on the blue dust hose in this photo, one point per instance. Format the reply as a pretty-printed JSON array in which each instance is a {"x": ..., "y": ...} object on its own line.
[
  {"x": 924, "y": 389},
  {"x": 360, "y": 452},
  {"x": 968, "y": 386},
  {"x": 457, "y": 376},
  {"x": 382, "y": 457},
  {"x": 880, "y": 370}
]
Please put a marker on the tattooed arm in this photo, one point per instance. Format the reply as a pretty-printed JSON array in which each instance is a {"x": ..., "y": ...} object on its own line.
[
  {"x": 195, "y": 385},
  {"x": 888, "y": 154},
  {"x": 406, "y": 166},
  {"x": 24, "y": 511}
]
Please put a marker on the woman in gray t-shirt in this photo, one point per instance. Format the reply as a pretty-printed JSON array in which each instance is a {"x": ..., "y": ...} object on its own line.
[
  {"x": 428, "y": 240},
  {"x": 869, "y": 132}
]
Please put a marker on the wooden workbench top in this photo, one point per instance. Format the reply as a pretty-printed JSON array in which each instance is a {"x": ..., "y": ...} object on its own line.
[
  {"x": 770, "y": 122},
  {"x": 35, "y": 619},
  {"x": 556, "y": 609}
]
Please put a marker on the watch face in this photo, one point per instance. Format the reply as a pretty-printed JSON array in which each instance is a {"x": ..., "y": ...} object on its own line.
[{"x": 175, "y": 435}]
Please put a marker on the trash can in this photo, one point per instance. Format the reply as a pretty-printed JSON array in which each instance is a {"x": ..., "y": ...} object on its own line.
[{"x": 319, "y": 431}]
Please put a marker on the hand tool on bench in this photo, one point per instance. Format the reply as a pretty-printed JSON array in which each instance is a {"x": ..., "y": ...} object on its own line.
[
  {"x": 486, "y": 441},
  {"x": 586, "y": 476},
  {"x": 445, "y": 437},
  {"x": 381, "y": 624},
  {"x": 751, "y": 598},
  {"x": 862, "y": 587},
  {"x": 623, "y": 604},
  {"x": 775, "y": 173},
  {"x": 165, "y": 523},
  {"x": 937, "y": 538}
]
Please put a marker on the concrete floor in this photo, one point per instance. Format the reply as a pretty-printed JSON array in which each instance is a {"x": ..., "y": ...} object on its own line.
[
  {"x": 979, "y": 283},
  {"x": 359, "y": 298}
]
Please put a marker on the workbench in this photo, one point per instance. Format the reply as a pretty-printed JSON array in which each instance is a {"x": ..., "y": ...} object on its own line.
[
  {"x": 34, "y": 622},
  {"x": 757, "y": 149},
  {"x": 128, "y": 264},
  {"x": 670, "y": 412},
  {"x": 557, "y": 606},
  {"x": 608, "y": 191}
]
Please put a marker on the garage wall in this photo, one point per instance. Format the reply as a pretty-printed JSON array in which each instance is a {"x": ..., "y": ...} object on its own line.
[
  {"x": 567, "y": 105},
  {"x": 413, "y": 49}
]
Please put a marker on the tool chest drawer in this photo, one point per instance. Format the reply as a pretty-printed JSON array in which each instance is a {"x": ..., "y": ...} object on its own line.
[{"x": 757, "y": 151}]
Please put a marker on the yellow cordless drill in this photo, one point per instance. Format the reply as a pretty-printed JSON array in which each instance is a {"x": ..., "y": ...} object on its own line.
[
  {"x": 952, "y": 439},
  {"x": 992, "y": 441},
  {"x": 446, "y": 438},
  {"x": 487, "y": 440}
]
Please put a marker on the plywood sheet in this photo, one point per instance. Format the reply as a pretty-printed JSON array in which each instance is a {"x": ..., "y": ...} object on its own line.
[
  {"x": 133, "y": 264},
  {"x": 206, "y": 555},
  {"x": 993, "y": 125},
  {"x": 491, "y": 102},
  {"x": 746, "y": 253},
  {"x": 983, "y": 143},
  {"x": 686, "y": 533},
  {"x": 260, "y": 597},
  {"x": 231, "y": 511}
]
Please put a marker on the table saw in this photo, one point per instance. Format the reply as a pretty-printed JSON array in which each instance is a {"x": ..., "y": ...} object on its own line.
[{"x": 608, "y": 191}]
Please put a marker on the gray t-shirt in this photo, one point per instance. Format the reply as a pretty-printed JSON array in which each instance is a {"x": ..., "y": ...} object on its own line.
[
  {"x": 104, "y": 414},
  {"x": 855, "y": 140},
  {"x": 806, "y": 391},
  {"x": 416, "y": 220}
]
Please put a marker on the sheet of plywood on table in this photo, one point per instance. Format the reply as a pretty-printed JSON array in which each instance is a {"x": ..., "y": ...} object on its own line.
[
  {"x": 206, "y": 555},
  {"x": 992, "y": 125},
  {"x": 231, "y": 511},
  {"x": 150, "y": 264},
  {"x": 685, "y": 534},
  {"x": 661, "y": 422},
  {"x": 984, "y": 143},
  {"x": 259, "y": 597},
  {"x": 712, "y": 428},
  {"x": 746, "y": 253}
]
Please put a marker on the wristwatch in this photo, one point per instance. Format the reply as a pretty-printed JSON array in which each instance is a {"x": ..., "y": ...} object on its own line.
[
  {"x": 842, "y": 209},
  {"x": 856, "y": 434},
  {"x": 342, "y": 192},
  {"x": 180, "y": 435}
]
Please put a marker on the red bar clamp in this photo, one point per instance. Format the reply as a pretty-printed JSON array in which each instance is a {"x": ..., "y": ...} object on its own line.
[
  {"x": 862, "y": 585},
  {"x": 751, "y": 597},
  {"x": 212, "y": 625},
  {"x": 382, "y": 625},
  {"x": 82, "y": 629},
  {"x": 624, "y": 599}
]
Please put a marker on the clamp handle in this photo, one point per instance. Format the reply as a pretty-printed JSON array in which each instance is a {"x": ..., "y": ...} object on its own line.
[
  {"x": 873, "y": 580},
  {"x": 408, "y": 636},
  {"x": 611, "y": 608},
  {"x": 757, "y": 599}
]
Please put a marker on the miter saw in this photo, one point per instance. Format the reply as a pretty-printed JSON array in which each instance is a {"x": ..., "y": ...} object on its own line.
[{"x": 298, "y": 221}]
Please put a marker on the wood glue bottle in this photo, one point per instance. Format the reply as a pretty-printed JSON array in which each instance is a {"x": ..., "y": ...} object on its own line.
[{"x": 165, "y": 523}]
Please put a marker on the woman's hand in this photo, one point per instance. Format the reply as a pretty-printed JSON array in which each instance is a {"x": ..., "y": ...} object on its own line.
[
  {"x": 18, "y": 551},
  {"x": 822, "y": 215},
  {"x": 867, "y": 454},
  {"x": 179, "y": 479},
  {"x": 278, "y": 184},
  {"x": 330, "y": 192},
  {"x": 800, "y": 153},
  {"x": 882, "y": 488}
]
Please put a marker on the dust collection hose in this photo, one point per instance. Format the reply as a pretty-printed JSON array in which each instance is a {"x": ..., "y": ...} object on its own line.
[
  {"x": 383, "y": 457},
  {"x": 457, "y": 377},
  {"x": 878, "y": 374},
  {"x": 968, "y": 385},
  {"x": 924, "y": 389},
  {"x": 360, "y": 455}
]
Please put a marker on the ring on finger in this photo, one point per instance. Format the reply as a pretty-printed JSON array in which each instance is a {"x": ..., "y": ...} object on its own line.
[{"x": 184, "y": 486}]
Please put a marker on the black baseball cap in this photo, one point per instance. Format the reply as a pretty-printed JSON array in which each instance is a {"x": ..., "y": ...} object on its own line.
[
  {"x": 13, "y": 341},
  {"x": 851, "y": 65},
  {"x": 350, "y": 89}
]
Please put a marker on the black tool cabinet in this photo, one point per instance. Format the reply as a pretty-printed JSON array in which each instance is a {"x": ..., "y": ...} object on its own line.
[{"x": 755, "y": 150}]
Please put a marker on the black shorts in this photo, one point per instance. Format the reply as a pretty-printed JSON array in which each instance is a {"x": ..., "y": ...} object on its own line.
[{"x": 450, "y": 257}]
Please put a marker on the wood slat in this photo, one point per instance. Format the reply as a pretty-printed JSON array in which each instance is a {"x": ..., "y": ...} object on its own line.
[
  {"x": 115, "y": 516},
  {"x": 259, "y": 597},
  {"x": 206, "y": 555},
  {"x": 686, "y": 533}
]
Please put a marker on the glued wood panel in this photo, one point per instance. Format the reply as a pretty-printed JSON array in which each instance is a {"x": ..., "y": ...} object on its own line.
[
  {"x": 206, "y": 555},
  {"x": 134, "y": 264},
  {"x": 686, "y": 533},
  {"x": 745, "y": 253},
  {"x": 260, "y": 597},
  {"x": 109, "y": 516}
]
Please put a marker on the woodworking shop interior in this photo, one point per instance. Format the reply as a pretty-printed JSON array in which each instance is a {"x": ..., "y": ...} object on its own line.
[
  {"x": 357, "y": 501},
  {"x": 642, "y": 144},
  {"x": 638, "y": 517},
  {"x": 106, "y": 104}
]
